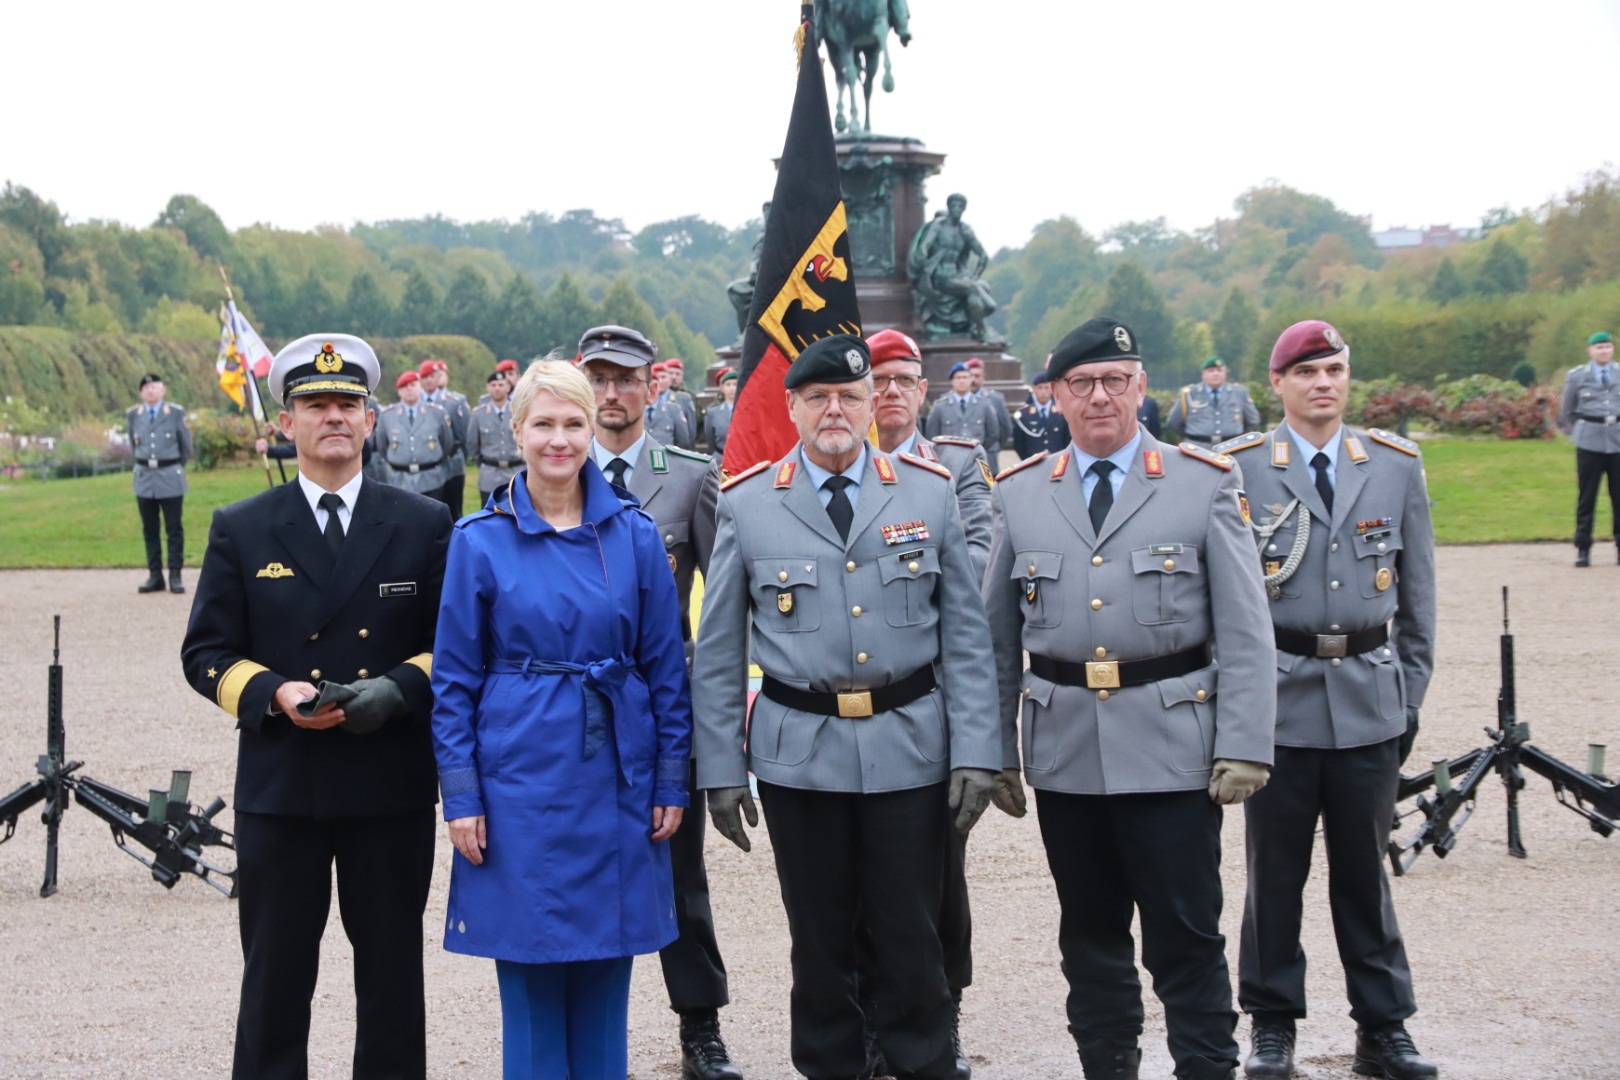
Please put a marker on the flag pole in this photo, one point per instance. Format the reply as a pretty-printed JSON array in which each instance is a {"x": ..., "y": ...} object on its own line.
[{"x": 253, "y": 383}]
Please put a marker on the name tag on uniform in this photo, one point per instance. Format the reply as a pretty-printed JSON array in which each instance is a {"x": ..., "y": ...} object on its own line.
[
  {"x": 1165, "y": 549},
  {"x": 397, "y": 588}
]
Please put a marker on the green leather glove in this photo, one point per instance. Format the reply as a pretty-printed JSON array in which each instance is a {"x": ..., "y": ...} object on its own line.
[
  {"x": 376, "y": 702},
  {"x": 1008, "y": 793},
  {"x": 727, "y": 808},
  {"x": 1410, "y": 737},
  {"x": 970, "y": 795},
  {"x": 1230, "y": 782}
]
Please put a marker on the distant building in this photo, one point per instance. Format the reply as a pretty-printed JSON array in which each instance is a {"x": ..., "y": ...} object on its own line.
[{"x": 1402, "y": 238}]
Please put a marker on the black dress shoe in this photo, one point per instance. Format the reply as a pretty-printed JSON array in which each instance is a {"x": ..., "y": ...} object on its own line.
[
  {"x": 1388, "y": 1052},
  {"x": 1271, "y": 1052},
  {"x": 1583, "y": 557},
  {"x": 1110, "y": 1063},
  {"x": 964, "y": 1069},
  {"x": 175, "y": 584},
  {"x": 151, "y": 584},
  {"x": 703, "y": 1051}
]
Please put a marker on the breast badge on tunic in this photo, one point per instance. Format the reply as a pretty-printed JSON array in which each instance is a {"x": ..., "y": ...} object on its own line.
[
  {"x": 1383, "y": 578},
  {"x": 784, "y": 602}
]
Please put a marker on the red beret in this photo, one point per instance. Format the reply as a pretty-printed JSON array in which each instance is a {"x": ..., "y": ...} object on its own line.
[
  {"x": 406, "y": 379},
  {"x": 975, "y": 362},
  {"x": 506, "y": 365},
  {"x": 675, "y": 361},
  {"x": 658, "y": 369},
  {"x": 893, "y": 345},
  {"x": 1312, "y": 339},
  {"x": 425, "y": 367}
]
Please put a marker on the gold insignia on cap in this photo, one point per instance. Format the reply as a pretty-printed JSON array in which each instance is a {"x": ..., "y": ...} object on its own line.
[
  {"x": 1122, "y": 338},
  {"x": 327, "y": 361}
]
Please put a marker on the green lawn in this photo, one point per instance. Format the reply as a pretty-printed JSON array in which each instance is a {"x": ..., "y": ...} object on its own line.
[{"x": 1484, "y": 491}]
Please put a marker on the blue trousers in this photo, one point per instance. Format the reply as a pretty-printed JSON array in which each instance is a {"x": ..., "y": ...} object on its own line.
[{"x": 566, "y": 1021}]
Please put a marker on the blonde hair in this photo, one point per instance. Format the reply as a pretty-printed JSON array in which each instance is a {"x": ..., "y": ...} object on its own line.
[{"x": 559, "y": 378}]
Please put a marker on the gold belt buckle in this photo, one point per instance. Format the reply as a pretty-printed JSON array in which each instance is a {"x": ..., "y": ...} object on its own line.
[
  {"x": 1102, "y": 674},
  {"x": 855, "y": 704}
]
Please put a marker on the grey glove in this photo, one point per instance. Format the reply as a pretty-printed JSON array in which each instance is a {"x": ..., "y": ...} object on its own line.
[
  {"x": 727, "y": 808},
  {"x": 376, "y": 701},
  {"x": 1410, "y": 736},
  {"x": 1230, "y": 782},
  {"x": 970, "y": 795},
  {"x": 1008, "y": 793}
]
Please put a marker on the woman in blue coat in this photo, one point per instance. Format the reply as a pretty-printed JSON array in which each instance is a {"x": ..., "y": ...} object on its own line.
[{"x": 562, "y": 724}]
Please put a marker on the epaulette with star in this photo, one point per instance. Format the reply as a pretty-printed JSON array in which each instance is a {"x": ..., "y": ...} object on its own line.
[
  {"x": 1390, "y": 439},
  {"x": 1022, "y": 465},
  {"x": 1208, "y": 457},
  {"x": 933, "y": 467},
  {"x": 690, "y": 455},
  {"x": 752, "y": 470},
  {"x": 955, "y": 440},
  {"x": 1240, "y": 442}
]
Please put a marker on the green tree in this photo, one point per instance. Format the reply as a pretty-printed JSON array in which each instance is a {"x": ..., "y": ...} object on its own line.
[
  {"x": 518, "y": 325},
  {"x": 22, "y": 298},
  {"x": 1306, "y": 218},
  {"x": 569, "y": 314},
  {"x": 688, "y": 238},
  {"x": 1132, "y": 299},
  {"x": 79, "y": 312},
  {"x": 203, "y": 230},
  {"x": 1233, "y": 332},
  {"x": 622, "y": 305},
  {"x": 1504, "y": 272},
  {"x": 1448, "y": 284},
  {"x": 38, "y": 219},
  {"x": 367, "y": 311},
  {"x": 418, "y": 311},
  {"x": 180, "y": 320},
  {"x": 467, "y": 304},
  {"x": 312, "y": 303}
]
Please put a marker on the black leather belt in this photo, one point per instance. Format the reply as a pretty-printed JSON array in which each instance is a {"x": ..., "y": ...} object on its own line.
[
  {"x": 852, "y": 704},
  {"x": 1604, "y": 420},
  {"x": 162, "y": 464},
  {"x": 416, "y": 466},
  {"x": 1331, "y": 645},
  {"x": 498, "y": 463},
  {"x": 1113, "y": 674}
]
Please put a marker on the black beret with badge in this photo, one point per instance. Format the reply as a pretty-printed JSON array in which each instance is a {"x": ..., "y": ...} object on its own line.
[
  {"x": 150, "y": 377},
  {"x": 840, "y": 358},
  {"x": 1093, "y": 341}
]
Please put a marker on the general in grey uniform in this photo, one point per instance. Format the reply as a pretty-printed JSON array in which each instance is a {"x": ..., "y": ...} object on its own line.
[
  {"x": 960, "y": 413},
  {"x": 1121, "y": 564},
  {"x": 845, "y": 573},
  {"x": 161, "y": 443},
  {"x": 414, "y": 437},
  {"x": 1342, "y": 525},
  {"x": 1213, "y": 410},
  {"x": 1590, "y": 416},
  {"x": 460, "y": 415},
  {"x": 491, "y": 443}
]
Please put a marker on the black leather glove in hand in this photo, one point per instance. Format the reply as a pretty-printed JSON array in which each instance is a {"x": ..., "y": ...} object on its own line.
[{"x": 376, "y": 701}]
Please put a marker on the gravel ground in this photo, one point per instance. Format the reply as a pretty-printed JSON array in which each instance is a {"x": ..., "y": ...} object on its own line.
[{"x": 1516, "y": 961}]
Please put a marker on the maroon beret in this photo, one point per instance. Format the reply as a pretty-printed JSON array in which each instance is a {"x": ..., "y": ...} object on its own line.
[{"x": 1312, "y": 339}]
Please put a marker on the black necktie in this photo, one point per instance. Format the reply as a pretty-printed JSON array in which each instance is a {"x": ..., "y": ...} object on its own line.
[
  {"x": 1102, "y": 496},
  {"x": 840, "y": 509},
  {"x": 333, "y": 532},
  {"x": 1324, "y": 486},
  {"x": 1603, "y": 377},
  {"x": 616, "y": 470},
  {"x": 1215, "y": 399}
]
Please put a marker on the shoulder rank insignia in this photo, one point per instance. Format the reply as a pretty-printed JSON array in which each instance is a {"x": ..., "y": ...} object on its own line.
[
  {"x": 989, "y": 477},
  {"x": 1060, "y": 465},
  {"x": 784, "y": 473},
  {"x": 275, "y": 570},
  {"x": 1241, "y": 442},
  {"x": 926, "y": 451},
  {"x": 1353, "y": 447},
  {"x": 690, "y": 455},
  {"x": 1209, "y": 457},
  {"x": 885, "y": 469},
  {"x": 752, "y": 470},
  {"x": 1153, "y": 463},
  {"x": 954, "y": 440},
  {"x": 1389, "y": 438},
  {"x": 933, "y": 467},
  {"x": 1281, "y": 449},
  {"x": 660, "y": 463},
  {"x": 1026, "y": 463}
]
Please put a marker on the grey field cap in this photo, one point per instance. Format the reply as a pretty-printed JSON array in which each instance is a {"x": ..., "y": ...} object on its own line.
[{"x": 617, "y": 344}]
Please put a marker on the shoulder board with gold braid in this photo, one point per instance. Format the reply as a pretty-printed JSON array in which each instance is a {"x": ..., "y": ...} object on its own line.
[
  {"x": 752, "y": 470},
  {"x": 1208, "y": 457},
  {"x": 1241, "y": 442},
  {"x": 936, "y": 469},
  {"x": 1022, "y": 465},
  {"x": 954, "y": 440},
  {"x": 1390, "y": 439}
]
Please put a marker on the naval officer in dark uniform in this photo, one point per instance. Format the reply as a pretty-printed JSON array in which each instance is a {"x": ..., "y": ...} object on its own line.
[
  {"x": 1039, "y": 425},
  {"x": 1342, "y": 523},
  {"x": 312, "y": 628},
  {"x": 161, "y": 443}
]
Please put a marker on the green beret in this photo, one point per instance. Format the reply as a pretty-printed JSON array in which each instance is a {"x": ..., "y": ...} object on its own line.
[
  {"x": 730, "y": 376},
  {"x": 1213, "y": 361},
  {"x": 840, "y": 358},
  {"x": 1600, "y": 338}
]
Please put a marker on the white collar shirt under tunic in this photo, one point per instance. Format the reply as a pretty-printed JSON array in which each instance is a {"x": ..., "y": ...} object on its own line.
[
  {"x": 602, "y": 455},
  {"x": 349, "y": 492}
]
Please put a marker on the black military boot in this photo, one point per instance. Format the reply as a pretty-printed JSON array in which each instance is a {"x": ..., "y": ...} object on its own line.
[
  {"x": 1583, "y": 556},
  {"x": 153, "y": 583},
  {"x": 964, "y": 1070},
  {"x": 703, "y": 1052},
  {"x": 1271, "y": 1050},
  {"x": 175, "y": 584},
  {"x": 1105, "y": 1061},
  {"x": 1388, "y": 1051}
]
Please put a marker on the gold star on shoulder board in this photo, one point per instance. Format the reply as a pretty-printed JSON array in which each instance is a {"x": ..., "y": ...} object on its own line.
[{"x": 212, "y": 674}]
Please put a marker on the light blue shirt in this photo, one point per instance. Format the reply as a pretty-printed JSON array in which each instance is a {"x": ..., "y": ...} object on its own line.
[
  {"x": 603, "y": 455},
  {"x": 1603, "y": 373},
  {"x": 819, "y": 476},
  {"x": 1121, "y": 458},
  {"x": 1306, "y": 451},
  {"x": 910, "y": 445}
]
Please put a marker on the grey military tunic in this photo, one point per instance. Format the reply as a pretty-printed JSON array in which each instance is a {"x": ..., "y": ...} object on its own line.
[
  {"x": 666, "y": 422},
  {"x": 460, "y": 414},
  {"x": 974, "y": 420},
  {"x": 678, "y": 488},
  {"x": 688, "y": 408},
  {"x": 829, "y": 616},
  {"x": 415, "y": 451},
  {"x": 492, "y": 446},
  {"x": 161, "y": 448},
  {"x": 716, "y": 426},
  {"x": 1173, "y": 569},
  {"x": 1370, "y": 562},
  {"x": 1590, "y": 413},
  {"x": 1196, "y": 417},
  {"x": 972, "y": 478},
  {"x": 1000, "y": 436}
]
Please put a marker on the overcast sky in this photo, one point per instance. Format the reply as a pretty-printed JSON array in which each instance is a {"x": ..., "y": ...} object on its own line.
[{"x": 297, "y": 114}]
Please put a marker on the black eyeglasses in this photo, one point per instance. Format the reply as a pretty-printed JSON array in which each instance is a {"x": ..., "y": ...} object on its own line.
[
  {"x": 1114, "y": 382},
  {"x": 906, "y": 383},
  {"x": 624, "y": 384}
]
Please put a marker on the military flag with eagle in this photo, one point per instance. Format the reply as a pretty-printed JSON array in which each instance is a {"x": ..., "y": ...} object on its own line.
[{"x": 805, "y": 289}]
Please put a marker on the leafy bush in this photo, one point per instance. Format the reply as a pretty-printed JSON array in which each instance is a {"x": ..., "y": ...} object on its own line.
[
  {"x": 220, "y": 438},
  {"x": 1524, "y": 373}
]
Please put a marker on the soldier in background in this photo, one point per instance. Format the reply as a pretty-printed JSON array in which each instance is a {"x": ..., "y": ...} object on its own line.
[
  {"x": 1039, "y": 425},
  {"x": 414, "y": 436},
  {"x": 675, "y": 372},
  {"x": 960, "y": 413},
  {"x": 491, "y": 443},
  {"x": 717, "y": 419},
  {"x": 1003, "y": 434},
  {"x": 1120, "y": 565},
  {"x": 1347, "y": 545},
  {"x": 666, "y": 420},
  {"x": 436, "y": 389},
  {"x": 1590, "y": 416},
  {"x": 161, "y": 444},
  {"x": 1211, "y": 411}
]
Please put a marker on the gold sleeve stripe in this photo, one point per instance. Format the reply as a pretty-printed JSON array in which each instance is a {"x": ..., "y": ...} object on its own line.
[
  {"x": 424, "y": 661},
  {"x": 233, "y": 682}
]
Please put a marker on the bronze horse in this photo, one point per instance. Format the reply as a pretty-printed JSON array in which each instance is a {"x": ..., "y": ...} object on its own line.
[{"x": 856, "y": 33}]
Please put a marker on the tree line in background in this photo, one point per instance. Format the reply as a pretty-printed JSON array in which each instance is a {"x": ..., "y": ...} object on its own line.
[{"x": 1527, "y": 291}]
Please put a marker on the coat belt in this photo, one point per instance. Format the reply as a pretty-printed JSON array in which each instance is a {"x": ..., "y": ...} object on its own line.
[{"x": 604, "y": 685}]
